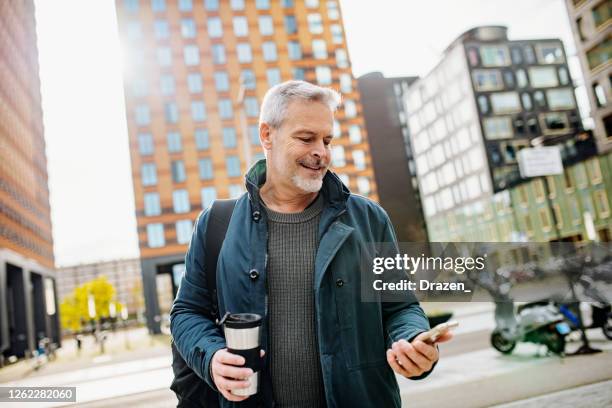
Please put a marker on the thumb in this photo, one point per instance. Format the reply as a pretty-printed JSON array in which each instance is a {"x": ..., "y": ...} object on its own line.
[{"x": 262, "y": 353}]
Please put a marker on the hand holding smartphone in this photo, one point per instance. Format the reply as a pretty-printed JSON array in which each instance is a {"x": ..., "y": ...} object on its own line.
[{"x": 432, "y": 336}]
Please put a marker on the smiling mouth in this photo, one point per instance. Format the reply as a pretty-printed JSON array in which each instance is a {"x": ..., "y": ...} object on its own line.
[{"x": 318, "y": 168}]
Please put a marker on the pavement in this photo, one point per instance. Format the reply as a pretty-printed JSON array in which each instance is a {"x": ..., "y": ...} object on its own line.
[{"x": 470, "y": 374}]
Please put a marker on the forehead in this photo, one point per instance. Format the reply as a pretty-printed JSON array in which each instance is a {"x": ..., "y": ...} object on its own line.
[{"x": 313, "y": 115}]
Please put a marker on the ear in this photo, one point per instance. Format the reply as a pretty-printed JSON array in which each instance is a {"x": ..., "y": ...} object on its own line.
[{"x": 265, "y": 136}]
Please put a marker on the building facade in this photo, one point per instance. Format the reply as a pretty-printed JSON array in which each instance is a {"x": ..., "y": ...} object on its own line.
[
  {"x": 591, "y": 22},
  {"x": 488, "y": 98},
  {"x": 394, "y": 168},
  {"x": 27, "y": 280},
  {"x": 124, "y": 274},
  {"x": 195, "y": 75}
]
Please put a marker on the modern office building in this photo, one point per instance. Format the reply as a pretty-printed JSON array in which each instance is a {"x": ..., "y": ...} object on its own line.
[
  {"x": 386, "y": 122},
  {"x": 195, "y": 75},
  {"x": 591, "y": 22},
  {"x": 27, "y": 280},
  {"x": 488, "y": 98},
  {"x": 124, "y": 274}
]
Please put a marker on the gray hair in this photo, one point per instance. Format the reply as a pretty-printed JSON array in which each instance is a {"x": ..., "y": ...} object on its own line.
[{"x": 278, "y": 98}]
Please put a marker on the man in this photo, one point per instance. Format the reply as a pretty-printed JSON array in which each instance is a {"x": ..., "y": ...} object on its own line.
[{"x": 291, "y": 254}]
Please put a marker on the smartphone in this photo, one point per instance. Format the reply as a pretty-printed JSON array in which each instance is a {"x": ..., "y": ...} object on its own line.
[{"x": 434, "y": 334}]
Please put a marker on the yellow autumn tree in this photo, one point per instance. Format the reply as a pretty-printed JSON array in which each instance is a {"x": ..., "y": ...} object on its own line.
[{"x": 75, "y": 307}]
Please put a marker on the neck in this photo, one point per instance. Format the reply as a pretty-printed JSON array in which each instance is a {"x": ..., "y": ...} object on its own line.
[{"x": 284, "y": 198}]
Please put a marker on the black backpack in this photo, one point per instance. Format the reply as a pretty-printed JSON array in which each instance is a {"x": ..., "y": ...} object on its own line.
[{"x": 191, "y": 390}]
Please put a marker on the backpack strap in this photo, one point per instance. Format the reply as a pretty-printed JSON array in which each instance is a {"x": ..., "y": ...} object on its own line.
[{"x": 218, "y": 221}]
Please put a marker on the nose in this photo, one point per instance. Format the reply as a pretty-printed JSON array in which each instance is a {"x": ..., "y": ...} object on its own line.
[{"x": 319, "y": 150}]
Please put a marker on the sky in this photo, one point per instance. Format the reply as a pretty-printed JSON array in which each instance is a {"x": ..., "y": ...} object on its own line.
[{"x": 92, "y": 201}]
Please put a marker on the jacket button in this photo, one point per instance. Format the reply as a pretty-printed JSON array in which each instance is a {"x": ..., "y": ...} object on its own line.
[
  {"x": 253, "y": 274},
  {"x": 339, "y": 283},
  {"x": 256, "y": 216}
]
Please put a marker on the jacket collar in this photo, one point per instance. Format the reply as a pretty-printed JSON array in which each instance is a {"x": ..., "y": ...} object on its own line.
[{"x": 335, "y": 193}]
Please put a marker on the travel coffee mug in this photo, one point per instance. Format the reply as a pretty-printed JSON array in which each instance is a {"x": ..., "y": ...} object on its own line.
[{"x": 242, "y": 332}]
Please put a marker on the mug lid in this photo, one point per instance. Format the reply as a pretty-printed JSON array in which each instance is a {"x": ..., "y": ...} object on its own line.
[{"x": 242, "y": 320}]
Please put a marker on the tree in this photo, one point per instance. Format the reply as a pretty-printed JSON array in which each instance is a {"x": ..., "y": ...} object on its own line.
[{"x": 74, "y": 308}]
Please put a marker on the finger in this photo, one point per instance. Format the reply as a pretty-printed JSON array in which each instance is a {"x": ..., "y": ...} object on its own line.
[
  {"x": 226, "y": 357},
  {"x": 231, "y": 397},
  {"x": 404, "y": 361},
  {"x": 417, "y": 358},
  {"x": 230, "y": 371},
  {"x": 430, "y": 352},
  {"x": 229, "y": 384},
  {"x": 262, "y": 353},
  {"x": 392, "y": 360},
  {"x": 445, "y": 337}
]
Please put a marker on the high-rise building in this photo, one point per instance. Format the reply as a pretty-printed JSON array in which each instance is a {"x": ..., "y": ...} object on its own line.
[
  {"x": 195, "y": 75},
  {"x": 386, "y": 121},
  {"x": 27, "y": 280},
  {"x": 488, "y": 98},
  {"x": 591, "y": 22}
]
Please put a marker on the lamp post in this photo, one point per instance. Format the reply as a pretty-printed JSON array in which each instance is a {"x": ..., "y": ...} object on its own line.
[{"x": 124, "y": 317}]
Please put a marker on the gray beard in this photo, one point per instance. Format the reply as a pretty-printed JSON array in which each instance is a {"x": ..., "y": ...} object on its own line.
[{"x": 308, "y": 185}]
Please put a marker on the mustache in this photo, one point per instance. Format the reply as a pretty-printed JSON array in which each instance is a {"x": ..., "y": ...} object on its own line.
[{"x": 314, "y": 162}]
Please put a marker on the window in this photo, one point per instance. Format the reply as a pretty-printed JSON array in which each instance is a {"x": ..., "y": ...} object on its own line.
[
  {"x": 498, "y": 128},
  {"x": 221, "y": 81},
  {"x": 350, "y": 109},
  {"x": 315, "y": 23},
  {"x": 359, "y": 159},
  {"x": 131, "y": 5},
  {"x": 487, "y": 80},
  {"x": 218, "y": 53},
  {"x": 337, "y": 130},
  {"x": 194, "y": 83},
  {"x": 336, "y": 31},
  {"x": 180, "y": 201},
  {"x": 346, "y": 83},
  {"x": 202, "y": 139},
  {"x": 155, "y": 235},
  {"x": 241, "y": 26},
  {"x": 237, "y": 4},
  {"x": 149, "y": 174},
  {"x": 145, "y": 144},
  {"x": 494, "y": 55},
  {"x": 332, "y": 10},
  {"x": 174, "y": 142},
  {"x": 198, "y": 111},
  {"x": 183, "y": 231},
  {"x": 341, "y": 58},
  {"x": 527, "y": 105},
  {"x": 251, "y": 107},
  {"x": 229, "y": 137},
  {"x": 235, "y": 190},
  {"x": 529, "y": 54},
  {"x": 290, "y": 25},
  {"x": 354, "y": 132},
  {"x": 167, "y": 84},
  {"x": 164, "y": 56},
  {"x": 509, "y": 79},
  {"x": 274, "y": 76},
  {"x": 178, "y": 171},
  {"x": 550, "y": 53},
  {"x": 344, "y": 178},
  {"x": 208, "y": 195},
  {"x": 600, "y": 95},
  {"x": 602, "y": 13},
  {"x": 262, "y": 4},
  {"x": 483, "y": 104},
  {"x": 560, "y": 99},
  {"x": 538, "y": 97},
  {"x": 244, "y": 53},
  {"x": 312, "y": 3},
  {"x": 151, "y": 204},
  {"x": 248, "y": 78},
  {"x": 554, "y": 122},
  {"x": 211, "y": 5},
  {"x": 188, "y": 28},
  {"x": 253, "y": 132},
  {"x": 225, "y": 109},
  {"x": 161, "y": 29},
  {"x": 266, "y": 26},
  {"x": 324, "y": 75},
  {"x": 205, "y": 169},
  {"x": 505, "y": 102},
  {"x": 269, "y": 51},
  {"x": 294, "y": 50},
  {"x": 143, "y": 115},
  {"x": 473, "y": 57},
  {"x": 517, "y": 56},
  {"x": 543, "y": 77},
  {"x": 564, "y": 78},
  {"x": 232, "y": 164},
  {"x": 319, "y": 49},
  {"x": 158, "y": 5},
  {"x": 287, "y": 3},
  {"x": 171, "y": 112},
  {"x": 363, "y": 185},
  {"x": 337, "y": 155},
  {"x": 521, "y": 78},
  {"x": 298, "y": 73},
  {"x": 215, "y": 28},
  {"x": 191, "y": 55}
]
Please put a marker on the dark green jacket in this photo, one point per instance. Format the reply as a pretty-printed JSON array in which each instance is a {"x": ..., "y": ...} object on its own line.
[{"x": 353, "y": 335}]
